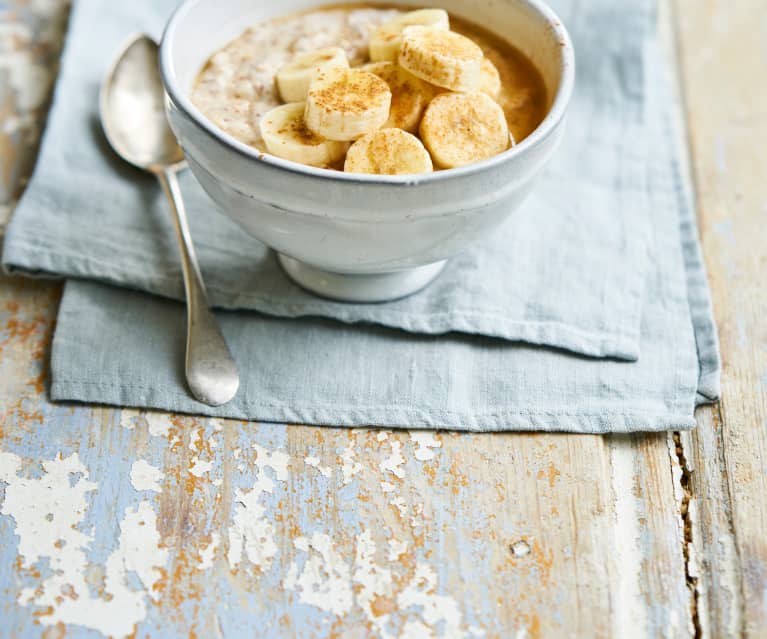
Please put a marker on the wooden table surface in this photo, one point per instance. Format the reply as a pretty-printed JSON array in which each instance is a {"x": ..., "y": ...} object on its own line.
[{"x": 133, "y": 523}]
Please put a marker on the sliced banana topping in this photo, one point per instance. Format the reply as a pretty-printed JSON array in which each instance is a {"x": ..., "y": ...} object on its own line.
[
  {"x": 462, "y": 128},
  {"x": 285, "y": 134},
  {"x": 489, "y": 79},
  {"x": 345, "y": 104},
  {"x": 444, "y": 58},
  {"x": 294, "y": 78},
  {"x": 409, "y": 95},
  {"x": 385, "y": 41},
  {"x": 388, "y": 152}
]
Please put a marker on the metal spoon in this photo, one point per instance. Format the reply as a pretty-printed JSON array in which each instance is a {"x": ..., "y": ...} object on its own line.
[{"x": 133, "y": 117}]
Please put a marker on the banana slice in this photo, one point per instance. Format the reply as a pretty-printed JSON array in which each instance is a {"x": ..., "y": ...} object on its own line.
[
  {"x": 461, "y": 128},
  {"x": 444, "y": 58},
  {"x": 489, "y": 79},
  {"x": 294, "y": 78},
  {"x": 409, "y": 95},
  {"x": 388, "y": 152},
  {"x": 345, "y": 104},
  {"x": 286, "y": 136},
  {"x": 386, "y": 39}
]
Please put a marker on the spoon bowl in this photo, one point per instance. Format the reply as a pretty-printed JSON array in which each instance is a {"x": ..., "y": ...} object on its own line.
[{"x": 133, "y": 109}]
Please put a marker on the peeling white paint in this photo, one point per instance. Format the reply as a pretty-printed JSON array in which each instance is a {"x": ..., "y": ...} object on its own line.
[
  {"x": 159, "y": 424},
  {"x": 349, "y": 467},
  {"x": 195, "y": 440},
  {"x": 314, "y": 462},
  {"x": 425, "y": 441},
  {"x": 396, "y": 549},
  {"x": 434, "y": 608},
  {"x": 393, "y": 463},
  {"x": 325, "y": 579},
  {"x": 416, "y": 630},
  {"x": 200, "y": 467},
  {"x": 218, "y": 425},
  {"x": 382, "y": 436},
  {"x": 208, "y": 553},
  {"x": 251, "y": 531},
  {"x": 399, "y": 504},
  {"x": 386, "y": 487},
  {"x": 374, "y": 581},
  {"x": 212, "y": 442},
  {"x": 520, "y": 548},
  {"x": 48, "y": 512},
  {"x": 328, "y": 582},
  {"x": 144, "y": 476},
  {"x": 626, "y": 588},
  {"x": 476, "y": 631},
  {"x": 417, "y": 519},
  {"x": 128, "y": 418}
]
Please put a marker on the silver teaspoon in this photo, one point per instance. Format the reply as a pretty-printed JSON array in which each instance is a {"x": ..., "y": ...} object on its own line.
[{"x": 133, "y": 117}]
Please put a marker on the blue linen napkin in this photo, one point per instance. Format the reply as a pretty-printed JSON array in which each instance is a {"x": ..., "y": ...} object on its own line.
[
  {"x": 125, "y": 347},
  {"x": 566, "y": 271}
]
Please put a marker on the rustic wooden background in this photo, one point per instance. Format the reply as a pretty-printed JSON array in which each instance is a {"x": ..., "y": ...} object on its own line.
[{"x": 132, "y": 523}]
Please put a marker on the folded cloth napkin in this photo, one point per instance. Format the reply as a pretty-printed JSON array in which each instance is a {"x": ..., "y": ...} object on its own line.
[
  {"x": 125, "y": 347},
  {"x": 567, "y": 270}
]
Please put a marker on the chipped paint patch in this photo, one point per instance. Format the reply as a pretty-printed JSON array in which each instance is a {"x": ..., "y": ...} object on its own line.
[
  {"x": 48, "y": 511},
  {"x": 382, "y": 436},
  {"x": 251, "y": 531},
  {"x": 200, "y": 467},
  {"x": 325, "y": 579},
  {"x": 349, "y": 467},
  {"x": 626, "y": 589},
  {"x": 128, "y": 418},
  {"x": 386, "y": 487},
  {"x": 400, "y": 505},
  {"x": 209, "y": 552},
  {"x": 396, "y": 549},
  {"x": 434, "y": 608},
  {"x": 144, "y": 476},
  {"x": 393, "y": 463},
  {"x": 314, "y": 462},
  {"x": 425, "y": 441},
  {"x": 159, "y": 424},
  {"x": 195, "y": 440},
  {"x": 416, "y": 630},
  {"x": 374, "y": 591}
]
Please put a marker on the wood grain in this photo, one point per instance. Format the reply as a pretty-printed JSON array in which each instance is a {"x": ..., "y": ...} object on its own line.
[
  {"x": 445, "y": 535},
  {"x": 722, "y": 55}
]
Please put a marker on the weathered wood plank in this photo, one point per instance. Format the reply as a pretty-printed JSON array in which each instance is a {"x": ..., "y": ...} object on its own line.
[
  {"x": 30, "y": 42},
  {"x": 722, "y": 62},
  {"x": 320, "y": 532}
]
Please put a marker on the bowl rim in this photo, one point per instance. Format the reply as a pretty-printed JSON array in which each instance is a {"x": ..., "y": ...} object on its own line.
[{"x": 553, "y": 118}]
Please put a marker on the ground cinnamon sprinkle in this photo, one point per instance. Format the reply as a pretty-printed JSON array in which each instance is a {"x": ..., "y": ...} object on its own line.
[
  {"x": 353, "y": 90},
  {"x": 236, "y": 87},
  {"x": 301, "y": 132}
]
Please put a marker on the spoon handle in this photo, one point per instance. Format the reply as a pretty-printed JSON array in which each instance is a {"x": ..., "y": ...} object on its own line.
[{"x": 210, "y": 370}]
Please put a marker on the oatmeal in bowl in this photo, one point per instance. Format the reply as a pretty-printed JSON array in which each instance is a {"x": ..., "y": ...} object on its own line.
[
  {"x": 367, "y": 144},
  {"x": 293, "y": 87}
]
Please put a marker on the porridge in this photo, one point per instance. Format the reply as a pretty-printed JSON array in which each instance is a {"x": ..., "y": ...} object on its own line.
[{"x": 371, "y": 89}]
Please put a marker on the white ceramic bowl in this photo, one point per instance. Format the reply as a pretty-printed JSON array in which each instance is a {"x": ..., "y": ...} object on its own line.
[{"x": 362, "y": 238}]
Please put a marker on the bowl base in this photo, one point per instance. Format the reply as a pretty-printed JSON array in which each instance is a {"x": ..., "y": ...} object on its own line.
[{"x": 368, "y": 288}]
